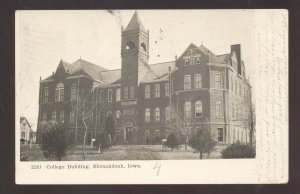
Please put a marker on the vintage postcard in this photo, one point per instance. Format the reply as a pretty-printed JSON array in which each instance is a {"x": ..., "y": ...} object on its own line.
[{"x": 151, "y": 96}]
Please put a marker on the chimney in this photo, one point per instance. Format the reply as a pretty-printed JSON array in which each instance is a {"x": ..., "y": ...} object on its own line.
[{"x": 237, "y": 49}]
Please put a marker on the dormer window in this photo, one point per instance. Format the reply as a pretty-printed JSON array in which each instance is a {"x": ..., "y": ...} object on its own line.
[{"x": 192, "y": 58}]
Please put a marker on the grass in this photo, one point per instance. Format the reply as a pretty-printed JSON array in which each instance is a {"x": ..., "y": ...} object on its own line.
[{"x": 122, "y": 152}]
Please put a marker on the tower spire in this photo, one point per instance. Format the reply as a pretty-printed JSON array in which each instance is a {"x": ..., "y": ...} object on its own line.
[{"x": 135, "y": 23}]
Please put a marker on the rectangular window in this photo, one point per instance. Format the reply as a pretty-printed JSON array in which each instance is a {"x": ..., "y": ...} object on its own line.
[
  {"x": 198, "y": 60},
  {"x": 62, "y": 116},
  {"x": 54, "y": 116},
  {"x": 220, "y": 134},
  {"x": 187, "y": 110},
  {"x": 46, "y": 94},
  {"x": 132, "y": 111},
  {"x": 157, "y": 114},
  {"x": 131, "y": 92},
  {"x": 147, "y": 115},
  {"x": 125, "y": 93},
  {"x": 44, "y": 118},
  {"x": 124, "y": 112},
  {"x": 72, "y": 117},
  {"x": 197, "y": 81},
  {"x": 167, "y": 89},
  {"x": 168, "y": 113},
  {"x": 56, "y": 95},
  {"x": 73, "y": 92},
  {"x": 192, "y": 60},
  {"x": 101, "y": 96},
  {"x": 186, "y": 62},
  {"x": 147, "y": 91},
  {"x": 157, "y": 90},
  {"x": 118, "y": 94},
  {"x": 218, "y": 80},
  {"x": 109, "y": 95},
  {"x": 187, "y": 82}
]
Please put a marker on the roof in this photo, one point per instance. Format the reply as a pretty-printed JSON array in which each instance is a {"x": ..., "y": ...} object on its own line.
[
  {"x": 135, "y": 23},
  {"x": 158, "y": 72},
  {"x": 24, "y": 119},
  {"x": 90, "y": 68},
  {"x": 110, "y": 76}
]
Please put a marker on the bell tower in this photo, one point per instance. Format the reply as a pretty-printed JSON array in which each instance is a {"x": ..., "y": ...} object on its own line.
[{"x": 134, "y": 53}]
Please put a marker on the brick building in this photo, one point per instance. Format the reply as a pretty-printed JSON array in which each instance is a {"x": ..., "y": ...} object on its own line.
[{"x": 203, "y": 89}]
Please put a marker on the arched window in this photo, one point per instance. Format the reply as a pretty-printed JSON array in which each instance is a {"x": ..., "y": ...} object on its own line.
[
  {"x": 168, "y": 113},
  {"x": 59, "y": 92},
  {"x": 219, "y": 109},
  {"x": 157, "y": 114},
  {"x": 74, "y": 91},
  {"x": 143, "y": 46},
  {"x": 131, "y": 92},
  {"x": 130, "y": 45},
  {"x": 187, "y": 110},
  {"x": 198, "y": 109},
  {"x": 147, "y": 115}
]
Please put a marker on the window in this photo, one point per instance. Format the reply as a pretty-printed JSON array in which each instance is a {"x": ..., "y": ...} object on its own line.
[
  {"x": 156, "y": 136},
  {"x": 143, "y": 46},
  {"x": 197, "y": 81},
  {"x": 232, "y": 110},
  {"x": 147, "y": 115},
  {"x": 62, "y": 116},
  {"x": 44, "y": 118},
  {"x": 72, "y": 117},
  {"x": 118, "y": 113},
  {"x": 59, "y": 92},
  {"x": 167, "y": 89},
  {"x": 131, "y": 92},
  {"x": 23, "y": 135},
  {"x": 132, "y": 111},
  {"x": 109, "y": 95},
  {"x": 54, "y": 116},
  {"x": 46, "y": 94},
  {"x": 187, "y": 110},
  {"x": 147, "y": 136},
  {"x": 218, "y": 80},
  {"x": 220, "y": 134},
  {"x": 219, "y": 109},
  {"x": 101, "y": 96},
  {"x": 198, "y": 109},
  {"x": 198, "y": 60},
  {"x": 235, "y": 88},
  {"x": 157, "y": 114},
  {"x": 130, "y": 45},
  {"x": 168, "y": 112},
  {"x": 128, "y": 112},
  {"x": 118, "y": 94},
  {"x": 74, "y": 92},
  {"x": 124, "y": 112},
  {"x": 187, "y": 82},
  {"x": 147, "y": 91},
  {"x": 125, "y": 93},
  {"x": 157, "y": 90},
  {"x": 192, "y": 60},
  {"x": 186, "y": 62}
]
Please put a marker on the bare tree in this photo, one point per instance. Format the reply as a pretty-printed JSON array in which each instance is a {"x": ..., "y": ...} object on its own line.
[
  {"x": 180, "y": 124},
  {"x": 246, "y": 114}
]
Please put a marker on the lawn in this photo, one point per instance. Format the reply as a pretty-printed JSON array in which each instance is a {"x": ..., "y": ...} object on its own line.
[{"x": 121, "y": 152}]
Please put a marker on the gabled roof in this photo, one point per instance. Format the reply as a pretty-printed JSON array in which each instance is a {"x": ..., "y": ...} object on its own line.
[
  {"x": 24, "y": 119},
  {"x": 159, "y": 72},
  {"x": 110, "y": 77},
  {"x": 90, "y": 68},
  {"x": 135, "y": 23}
]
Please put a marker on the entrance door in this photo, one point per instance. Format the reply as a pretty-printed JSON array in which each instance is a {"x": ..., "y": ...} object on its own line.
[{"x": 129, "y": 131}]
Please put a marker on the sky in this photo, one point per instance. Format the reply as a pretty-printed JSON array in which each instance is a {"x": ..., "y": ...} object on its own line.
[{"x": 43, "y": 38}]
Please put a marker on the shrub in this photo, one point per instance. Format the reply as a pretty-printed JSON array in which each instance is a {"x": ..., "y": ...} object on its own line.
[
  {"x": 104, "y": 141},
  {"x": 202, "y": 142},
  {"x": 173, "y": 141},
  {"x": 239, "y": 150},
  {"x": 53, "y": 142}
]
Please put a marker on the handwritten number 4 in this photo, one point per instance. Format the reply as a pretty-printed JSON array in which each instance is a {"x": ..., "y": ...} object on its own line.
[{"x": 158, "y": 168}]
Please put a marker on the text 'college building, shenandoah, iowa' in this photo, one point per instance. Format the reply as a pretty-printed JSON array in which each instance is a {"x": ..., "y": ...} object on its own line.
[{"x": 203, "y": 89}]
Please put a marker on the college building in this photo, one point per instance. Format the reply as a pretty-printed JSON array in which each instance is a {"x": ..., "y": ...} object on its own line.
[{"x": 200, "y": 88}]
